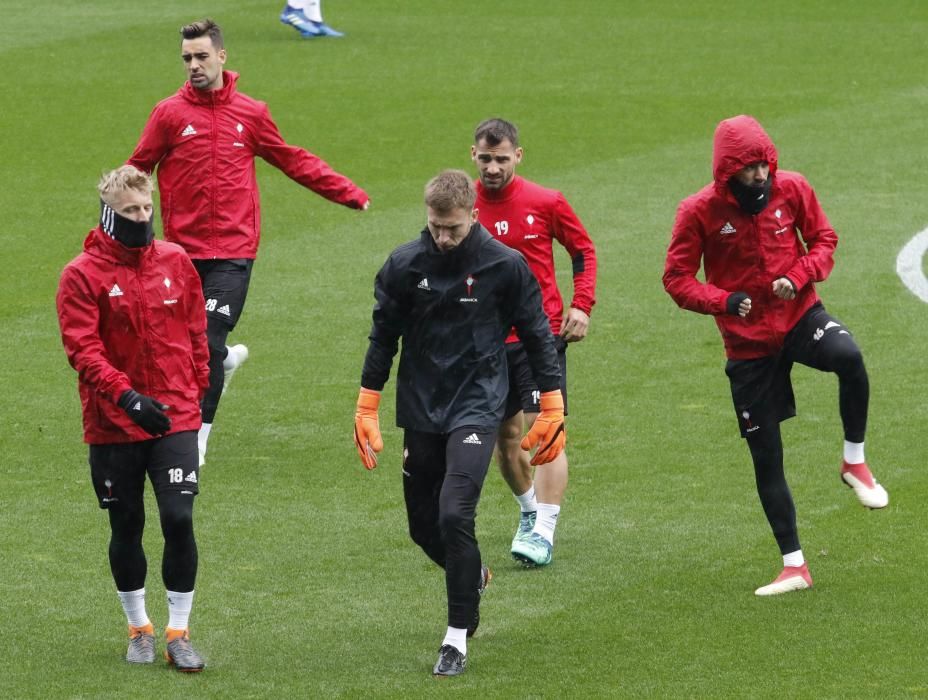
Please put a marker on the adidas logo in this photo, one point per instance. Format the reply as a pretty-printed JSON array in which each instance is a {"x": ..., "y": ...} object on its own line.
[
  {"x": 115, "y": 291},
  {"x": 138, "y": 406},
  {"x": 727, "y": 229},
  {"x": 191, "y": 477},
  {"x": 189, "y": 131},
  {"x": 424, "y": 284},
  {"x": 224, "y": 310},
  {"x": 471, "y": 439}
]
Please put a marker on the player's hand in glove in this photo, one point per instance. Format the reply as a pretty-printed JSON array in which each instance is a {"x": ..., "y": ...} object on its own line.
[
  {"x": 367, "y": 428},
  {"x": 547, "y": 432},
  {"x": 146, "y": 412}
]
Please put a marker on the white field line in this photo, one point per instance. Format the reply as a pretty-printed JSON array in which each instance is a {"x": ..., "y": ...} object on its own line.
[{"x": 909, "y": 265}]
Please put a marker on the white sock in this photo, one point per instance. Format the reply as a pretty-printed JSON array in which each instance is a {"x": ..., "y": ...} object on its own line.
[
  {"x": 794, "y": 558},
  {"x": 546, "y": 520},
  {"x": 313, "y": 10},
  {"x": 854, "y": 452},
  {"x": 527, "y": 500},
  {"x": 457, "y": 638},
  {"x": 296, "y": 4},
  {"x": 133, "y": 602},
  {"x": 203, "y": 437},
  {"x": 179, "y": 605}
]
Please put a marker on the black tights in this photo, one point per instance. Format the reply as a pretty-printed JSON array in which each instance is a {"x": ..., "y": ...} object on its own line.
[{"x": 127, "y": 558}]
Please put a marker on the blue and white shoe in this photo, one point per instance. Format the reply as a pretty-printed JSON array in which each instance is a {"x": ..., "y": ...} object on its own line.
[
  {"x": 534, "y": 550},
  {"x": 297, "y": 20},
  {"x": 323, "y": 29},
  {"x": 526, "y": 525}
]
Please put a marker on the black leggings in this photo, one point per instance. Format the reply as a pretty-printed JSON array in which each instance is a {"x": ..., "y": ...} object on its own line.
[
  {"x": 217, "y": 332},
  {"x": 180, "y": 559},
  {"x": 119, "y": 472},
  {"x": 823, "y": 343},
  {"x": 442, "y": 479}
]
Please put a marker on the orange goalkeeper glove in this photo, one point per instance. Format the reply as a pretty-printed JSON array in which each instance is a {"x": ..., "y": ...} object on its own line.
[
  {"x": 367, "y": 428},
  {"x": 547, "y": 432}
]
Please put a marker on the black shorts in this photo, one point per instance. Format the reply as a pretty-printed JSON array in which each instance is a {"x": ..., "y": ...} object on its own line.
[
  {"x": 524, "y": 394},
  {"x": 118, "y": 470},
  {"x": 225, "y": 286},
  {"x": 762, "y": 389}
]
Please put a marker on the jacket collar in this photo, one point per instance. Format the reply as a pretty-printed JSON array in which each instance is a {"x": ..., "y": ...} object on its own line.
[
  {"x": 503, "y": 195},
  {"x": 100, "y": 245},
  {"x": 223, "y": 95}
]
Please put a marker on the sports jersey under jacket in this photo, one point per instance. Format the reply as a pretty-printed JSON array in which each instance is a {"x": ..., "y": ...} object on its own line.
[
  {"x": 133, "y": 318},
  {"x": 204, "y": 143},
  {"x": 790, "y": 238},
  {"x": 529, "y": 217},
  {"x": 453, "y": 311}
]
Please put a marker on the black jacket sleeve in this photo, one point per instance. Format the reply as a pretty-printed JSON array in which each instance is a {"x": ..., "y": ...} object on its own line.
[
  {"x": 533, "y": 327},
  {"x": 387, "y": 327}
]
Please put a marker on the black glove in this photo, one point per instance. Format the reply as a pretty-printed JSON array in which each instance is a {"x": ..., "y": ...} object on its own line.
[
  {"x": 145, "y": 411},
  {"x": 734, "y": 301}
]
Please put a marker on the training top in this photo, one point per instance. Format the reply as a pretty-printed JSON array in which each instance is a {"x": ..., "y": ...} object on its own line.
[
  {"x": 790, "y": 238},
  {"x": 133, "y": 318},
  {"x": 453, "y": 311},
  {"x": 204, "y": 143},
  {"x": 528, "y": 217}
]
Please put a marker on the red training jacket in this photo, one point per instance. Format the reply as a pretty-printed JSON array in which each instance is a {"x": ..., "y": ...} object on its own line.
[
  {"x": 204, "y": 144},
  {"x": 790, "y": 238},
  {"x": 529, "y": 217},
  {"x": 133, "y": 318}
]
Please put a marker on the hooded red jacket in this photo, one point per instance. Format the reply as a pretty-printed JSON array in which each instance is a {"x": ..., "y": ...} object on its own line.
[
  {"x": 204, "y": 145},
  {"x": 739, "y": 252},
  {"x": 133, "y": 318}
]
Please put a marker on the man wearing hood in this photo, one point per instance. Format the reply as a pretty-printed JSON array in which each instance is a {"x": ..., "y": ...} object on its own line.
[
  {"x": 133, "y": 326},
  {"x": 763, "y": 241},
  {"x": 203, "y": 141},
  {"x": 452, "y": 295}
]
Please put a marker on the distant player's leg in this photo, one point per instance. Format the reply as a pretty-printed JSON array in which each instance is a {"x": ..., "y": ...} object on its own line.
[
  {"x": 550, "y": 484},
  {"x": 467, "y": 456},
  {"x": 294, "y": 15},
  {"x": 118, "y": 476},
  {"x": 513, "y": 461},
  {"x": 174, "y": 472},
  {"x": 763, "y": 397},
  {"x": 225, "y": 288},
  {"x": 517, "y": 472},
  {"x": 822, "y": 342}
]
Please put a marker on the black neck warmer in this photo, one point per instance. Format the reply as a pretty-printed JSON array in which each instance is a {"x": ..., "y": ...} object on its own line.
[
  {"x": 752, "y": 198},
  {"x": 132, "y": 234}
]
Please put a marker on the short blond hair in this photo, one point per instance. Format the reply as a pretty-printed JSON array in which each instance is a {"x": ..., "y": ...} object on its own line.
[
  {"x": 450, "y": 189},
  {"x": 125, "y": 177}
]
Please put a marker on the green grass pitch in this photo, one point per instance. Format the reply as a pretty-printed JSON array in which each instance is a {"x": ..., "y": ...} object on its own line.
[{"x": 309, "y": 586}]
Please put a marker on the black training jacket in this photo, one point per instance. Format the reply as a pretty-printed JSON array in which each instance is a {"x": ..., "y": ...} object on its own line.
[{"x": 454, "y": 311}]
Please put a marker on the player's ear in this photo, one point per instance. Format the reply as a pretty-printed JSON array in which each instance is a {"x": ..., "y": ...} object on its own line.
[
  {"x": 222, "y": 56},
  {"x": 473, "y": 153},
  {"x": 518, "y": 155},
  {"x": 474, "y": 214}
]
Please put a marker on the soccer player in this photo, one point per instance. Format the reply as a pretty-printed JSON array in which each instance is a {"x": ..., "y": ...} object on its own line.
[
  {"x": 452, "y": 294},
  {"x": 529, "y": 218},
  {"x": 306, "y": 17},
  {"x": 763, "y": 240},
  {"x": 133, "y": 326},
  {"x": 203, "y": 141}
]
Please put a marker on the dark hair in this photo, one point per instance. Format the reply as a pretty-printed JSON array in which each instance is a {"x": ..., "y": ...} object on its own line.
[
  {"x": 449, "y": 190},
  {"x": 203, "y": 28},
  {"x": 495, "y": 131}
]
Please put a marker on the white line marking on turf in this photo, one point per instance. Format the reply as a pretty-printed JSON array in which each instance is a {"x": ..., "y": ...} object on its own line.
[{"x": 909, "y": 265}]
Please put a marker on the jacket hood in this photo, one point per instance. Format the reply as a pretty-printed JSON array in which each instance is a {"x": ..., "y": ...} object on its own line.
[
  {"x": 221, "y": 96},
  {"x": 100, "y": 245},
  {"x": 738, "y": 142}
]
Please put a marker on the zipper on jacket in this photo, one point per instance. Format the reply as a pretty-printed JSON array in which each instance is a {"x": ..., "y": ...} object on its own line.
[{"x": 215, "y": 189}]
